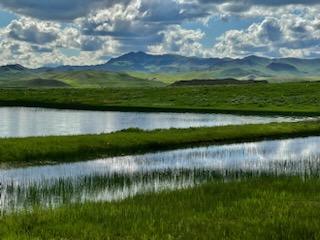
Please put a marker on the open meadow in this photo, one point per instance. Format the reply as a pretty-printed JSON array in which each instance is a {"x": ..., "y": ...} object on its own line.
[{"x": 286, "y": 98}]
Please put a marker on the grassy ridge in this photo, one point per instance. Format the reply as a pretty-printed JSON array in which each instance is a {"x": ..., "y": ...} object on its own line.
[
  {"x": 289, "y": 98},
  {"x": 82, "y": 79},
  {"x": 134, "y": 141},
  {"x": 255, "y": 208}
]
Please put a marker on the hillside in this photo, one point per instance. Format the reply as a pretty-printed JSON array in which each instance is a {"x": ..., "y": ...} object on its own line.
[
  {"x": 142, "y": 69},
  {"x": 85, "y": 78},
  {"x": 171, "y": 68},
  {"x": 168, "y": 63}
]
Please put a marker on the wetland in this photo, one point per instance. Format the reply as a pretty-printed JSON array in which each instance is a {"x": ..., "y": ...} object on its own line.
[
  {"x": 76, "y": 174},
  {"x": 118, "y": 178}
]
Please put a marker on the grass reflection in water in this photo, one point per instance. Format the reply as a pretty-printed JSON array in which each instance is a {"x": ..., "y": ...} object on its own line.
[{"x": 122, "y": 177}]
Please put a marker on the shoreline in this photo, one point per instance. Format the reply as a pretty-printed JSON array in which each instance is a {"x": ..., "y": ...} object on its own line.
[
  {"x": 144, "y": 109},
  {"x": 60, "y": 149}
]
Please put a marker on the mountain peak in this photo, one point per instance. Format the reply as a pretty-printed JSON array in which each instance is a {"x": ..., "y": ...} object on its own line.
[
  {"x": 10, "y": 67},
  {"x": 130, "y": 54},
  {"x": 253, "y": 57}
]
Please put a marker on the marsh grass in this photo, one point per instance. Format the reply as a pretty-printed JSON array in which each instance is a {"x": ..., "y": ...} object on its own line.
[
  {"x": 42, "y": 150},
  {"x": 114, "y": 179},
  {"x": 261, "y": 207},
  {"x": 31, "y": 195}
]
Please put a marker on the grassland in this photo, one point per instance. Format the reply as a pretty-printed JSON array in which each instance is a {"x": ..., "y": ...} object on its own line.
[
  {"x": 37, "y": 150},
  {"x": 75, "y": 79},
  {"x": 288, "y": 98},
  {"x": 254, "y": 208},
  {"x": 238, "y": 73},
  {"x": 92, "y": 79}
]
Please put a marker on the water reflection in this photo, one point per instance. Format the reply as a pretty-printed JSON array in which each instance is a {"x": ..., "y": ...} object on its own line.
[
  {"x": 121, "y": 177},
  {"x": 23, "y": 122}
]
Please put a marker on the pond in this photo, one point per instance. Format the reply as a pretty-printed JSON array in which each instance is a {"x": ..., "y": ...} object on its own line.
[
  {"x": 121, "y": 177},
  {"x": 24, "y": 122}
]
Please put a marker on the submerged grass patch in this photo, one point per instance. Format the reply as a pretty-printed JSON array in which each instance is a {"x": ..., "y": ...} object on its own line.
[
  {"x": 37, "y": 150},
  {"x": 254, "y": 208}
]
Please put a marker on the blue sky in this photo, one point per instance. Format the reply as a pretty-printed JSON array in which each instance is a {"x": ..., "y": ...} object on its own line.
[{"x": 35, "y": 33}]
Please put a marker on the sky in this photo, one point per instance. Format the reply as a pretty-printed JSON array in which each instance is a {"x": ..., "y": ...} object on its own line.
[{"x": 37, "y": 33}]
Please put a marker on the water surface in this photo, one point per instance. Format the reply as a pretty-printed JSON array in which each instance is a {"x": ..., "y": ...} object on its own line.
[
  {"x": 120, "y": 177},
  {"x": 23, "y": 122}
]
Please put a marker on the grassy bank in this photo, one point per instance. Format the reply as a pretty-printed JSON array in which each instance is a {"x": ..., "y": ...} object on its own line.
[
  {"x": 255, "y": 208},
  {"x": 287, "y": 98},
  {"x": 134, "y": 141}
]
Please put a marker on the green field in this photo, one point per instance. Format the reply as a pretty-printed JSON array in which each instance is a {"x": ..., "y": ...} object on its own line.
[{"x": 287, "y": 98}]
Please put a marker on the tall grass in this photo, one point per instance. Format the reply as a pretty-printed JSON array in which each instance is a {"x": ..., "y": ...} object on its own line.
[
  {"x": 28, "y": 194},
  {"x": 255, "y": 208},
  {"x": 37, "y": 150}
]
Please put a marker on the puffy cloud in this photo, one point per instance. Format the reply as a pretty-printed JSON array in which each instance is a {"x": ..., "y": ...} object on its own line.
[
  {"x": 33, "y": 31},
  {"x": 141, "y": 23},
  {"x": 289, "y": 35},
  {"x": 34, "y": 43},
  {"x": 33, "y": 56},
  {"x": 179, "y": 41},
  {"x": 118, "y": 21}
]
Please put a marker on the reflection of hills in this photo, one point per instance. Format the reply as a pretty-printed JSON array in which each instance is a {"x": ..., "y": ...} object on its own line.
[{"x": 28, "y": 122}]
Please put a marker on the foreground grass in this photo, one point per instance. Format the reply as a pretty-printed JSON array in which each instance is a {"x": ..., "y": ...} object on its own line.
[
  {"x": 135, "y": 141},
  {"x": 254, "y": 208},
  {"x": 287, "y": 98}
]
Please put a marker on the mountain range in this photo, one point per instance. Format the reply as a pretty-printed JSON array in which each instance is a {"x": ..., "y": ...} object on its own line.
[
  {"x": 168, "y": 63},
  {"x": 140, "y": 66}
]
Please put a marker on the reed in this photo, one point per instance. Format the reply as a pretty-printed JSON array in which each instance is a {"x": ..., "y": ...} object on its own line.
[{"x": 261, "y": 207}]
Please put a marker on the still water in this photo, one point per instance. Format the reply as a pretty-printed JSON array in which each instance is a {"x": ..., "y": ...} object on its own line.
[
  {"x": 121, "y": 177},
  {"x": 23, "y": 122}
]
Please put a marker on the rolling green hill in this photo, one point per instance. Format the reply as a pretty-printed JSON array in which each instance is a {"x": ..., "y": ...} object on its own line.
[
  {"x": 92, "y": 78},
  {"x": 85, "y": 78}
]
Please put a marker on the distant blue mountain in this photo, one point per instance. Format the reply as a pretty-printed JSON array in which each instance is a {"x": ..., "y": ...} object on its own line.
[
  {"x": 14, "y": 67},
  {"x": 143, "y": 62},
  {"x": 251, "y": 67}
]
